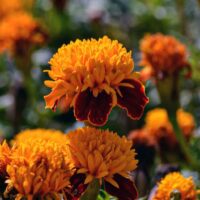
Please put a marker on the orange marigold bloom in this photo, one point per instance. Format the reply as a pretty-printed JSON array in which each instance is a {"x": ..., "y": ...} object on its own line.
[
  {"x": 44, "y": 134},
  {"x": 39, "y": 168},
  {"x": 158, "y": 124},
  {"x": 8, "y": 7},
  {"x": 93, "y": 76},
  {"x": 175, "y": 181},
  {"x": 18, "y": 31},
  {"x": 103, "y": 155},
  {"x": 186, "y": 122},
  {"x": 142, "y": 137},
  {"x": 162, "y": 55}
]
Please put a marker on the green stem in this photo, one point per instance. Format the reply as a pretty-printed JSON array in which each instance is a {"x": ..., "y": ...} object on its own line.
[
  {"x": 182, "y": 142},
  {"x": 92, "y": 191}
]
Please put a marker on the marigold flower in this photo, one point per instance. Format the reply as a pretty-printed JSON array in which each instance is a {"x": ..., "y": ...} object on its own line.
[
  {"x": 103, "y": 155},
  {"x": 186, "y": 122},
  {"x": 158, "y": 124},
  {"x": 93, "y": 76},
  {"x": 175, "y": 181},
  {"x": 142, "y": 137},
  {"x": 8, "y": 7},
  {"x": 39, "y": 168},
  {"x": 18, "y": 31},
  {"x": 162, "y": 55},
  {"x": 44, "y": 134}
]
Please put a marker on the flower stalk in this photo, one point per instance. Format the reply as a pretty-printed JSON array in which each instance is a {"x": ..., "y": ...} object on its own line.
[{"x": 92, "y": 191}]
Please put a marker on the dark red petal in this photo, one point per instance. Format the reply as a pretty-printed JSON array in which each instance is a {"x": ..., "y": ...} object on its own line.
[
  {"x": 77, "y": 187},
  {"x": 93, "y": 109},
  {"x": 126, "y": 190},
  {"x": 133, "y": 99}
]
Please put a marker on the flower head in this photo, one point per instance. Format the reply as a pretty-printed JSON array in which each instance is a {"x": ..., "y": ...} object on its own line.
[
  {"x": 93, "y": 76},
  {"x": 8, "y": 7},
  {"x": 39, "y": 168},
  {"x": 186, "y": 122},
  {"x": 44, "y": 134},
  {"x": 102, "y": 155},
  {"x": 18, "y": 31},
  {"x": 141, "y": 137},
  {"x": 158, "y": 125},
  {"x": 175, "y": 181},
  {"x": 162, "y": 55}
]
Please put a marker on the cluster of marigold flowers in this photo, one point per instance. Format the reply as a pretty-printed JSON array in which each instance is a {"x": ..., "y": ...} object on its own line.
[
  {"x": 92, "y": 76},
  {"x": 47, "y": 163},
  {"x": 44, "y": 163},
  {"x": 19, "y": 31}
]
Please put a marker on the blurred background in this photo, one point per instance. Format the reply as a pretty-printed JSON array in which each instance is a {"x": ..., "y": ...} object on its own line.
[{"x": 21, "y": 96}]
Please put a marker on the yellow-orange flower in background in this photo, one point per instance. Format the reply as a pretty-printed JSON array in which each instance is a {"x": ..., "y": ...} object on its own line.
[
  {"x": 162, "y": 55},
  {"x": 103, "y": 155},
  {"x": 93, "y": 76},
  {"x": 159, "y": 125},
  {"x": 8, "y": 7},
  {"x": 44, "y": 134},
  {"x": 39, "y": 168},
  {"x": 141, "y": 137},
  {"x": 186, "y": 122},
  {"x": 18, "y": 31},
  {"x": 175, "y": 181}
]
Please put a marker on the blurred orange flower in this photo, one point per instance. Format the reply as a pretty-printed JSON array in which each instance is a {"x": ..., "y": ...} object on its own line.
[
  {"x": 142, "y": 137},
  {"x": 103, "y": 155},
  {"x": 158, "y": 124},
  {"x": 39, "y": 168},
  {"x": 18, "y": 31},
  {"x": 175, "y": 181},
  {"x": 162, "y": 55},
  {"x": 186, "y": 122},
  {"x": 8, "y": 7},
  {"x": 93, "y": 76}
]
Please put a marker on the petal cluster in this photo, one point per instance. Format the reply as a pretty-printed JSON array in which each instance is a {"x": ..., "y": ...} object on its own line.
[
  {"x": 101, "y": 154},
  {"x": 175, "y": 181},
  {"x": 162, "y": 55},
  {"x": 93, "y": 76},
  {"x": 39, "y": 168},
  {"x": 18, "y": 31},
  {"x": 186, "y": 122},
  {"x": 8, "y": 7},
  {"x": 4, "y": 158},
  {"x": 159, "y": 125},
  {"x": 44, "y": 134}
]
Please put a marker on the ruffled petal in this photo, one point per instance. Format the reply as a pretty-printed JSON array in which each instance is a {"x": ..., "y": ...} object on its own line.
[
  {"x": 133, "y": 99},
  {"x": 57, "y": 92},
  {"x": 126, "y": 190},
  {"x": 93, "y": 109}
]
